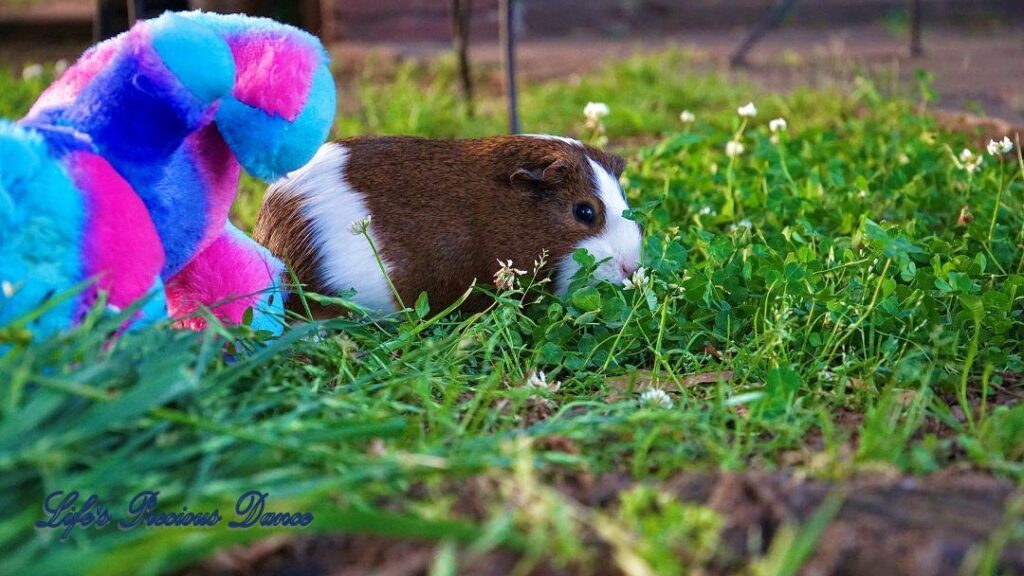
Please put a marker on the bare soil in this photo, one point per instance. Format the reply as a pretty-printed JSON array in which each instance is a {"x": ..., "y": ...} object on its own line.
[{"x": 885, "y": 525}]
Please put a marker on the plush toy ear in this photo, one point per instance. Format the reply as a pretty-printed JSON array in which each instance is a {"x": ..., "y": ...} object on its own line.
[
  {"x": 281, "y": 107},
  {"x": 543, "y": 177}
]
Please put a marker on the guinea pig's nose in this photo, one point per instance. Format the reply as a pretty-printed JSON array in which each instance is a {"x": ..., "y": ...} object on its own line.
[{"x": 627, "y": 269}]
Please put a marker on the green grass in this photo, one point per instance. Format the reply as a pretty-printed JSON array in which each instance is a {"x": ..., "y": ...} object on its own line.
[{"x": 826, "y": 273}]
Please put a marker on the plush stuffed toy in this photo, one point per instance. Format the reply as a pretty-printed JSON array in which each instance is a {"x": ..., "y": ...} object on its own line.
[{"x": 121, "y": 177}]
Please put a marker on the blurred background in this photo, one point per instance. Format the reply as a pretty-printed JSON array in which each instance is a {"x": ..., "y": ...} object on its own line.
[{"x": 973, "y": 50}]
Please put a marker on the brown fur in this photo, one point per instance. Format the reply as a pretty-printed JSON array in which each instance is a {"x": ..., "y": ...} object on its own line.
[
  {"x": 281, "y": 227},
  {"x": 446, "y": 211}
]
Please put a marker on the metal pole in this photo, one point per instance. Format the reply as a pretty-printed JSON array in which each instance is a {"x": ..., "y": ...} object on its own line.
[
  {"x": 915, "y": 27},
  {"x": 508, "y": 42}
]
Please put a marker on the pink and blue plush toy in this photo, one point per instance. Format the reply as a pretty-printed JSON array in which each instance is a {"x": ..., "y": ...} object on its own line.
[{"x": 123, "y": 173}]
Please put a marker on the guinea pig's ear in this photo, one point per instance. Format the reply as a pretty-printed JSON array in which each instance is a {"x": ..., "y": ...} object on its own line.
[
  {"x": 546, "y": 176},
  {"x": 618, "y": 165}
]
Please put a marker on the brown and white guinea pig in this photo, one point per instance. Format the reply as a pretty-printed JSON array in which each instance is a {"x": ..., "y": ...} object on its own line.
[{"x": 444, "y": 212}]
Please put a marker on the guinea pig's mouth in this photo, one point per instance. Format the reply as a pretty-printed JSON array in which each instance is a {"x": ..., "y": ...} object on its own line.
[{"x": 615, "y": 267}]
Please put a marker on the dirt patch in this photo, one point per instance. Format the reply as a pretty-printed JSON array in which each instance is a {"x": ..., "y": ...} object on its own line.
[
  {"x": 341, "y": 555},
  {"x": 1007, "y": 389},
  {"x": 885, "y": 525}
]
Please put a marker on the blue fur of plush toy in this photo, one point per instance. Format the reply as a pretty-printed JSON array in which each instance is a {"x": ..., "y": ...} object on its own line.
[
  {"x": 143, "y": 141},
  {"x": 197, "y": 56},
  {"x": 34, "y": 193}
]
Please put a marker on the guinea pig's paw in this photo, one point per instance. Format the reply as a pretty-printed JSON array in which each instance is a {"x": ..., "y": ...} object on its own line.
[
  {"x": 270, "y": 145},
  {"x": 195, "y": 53}
]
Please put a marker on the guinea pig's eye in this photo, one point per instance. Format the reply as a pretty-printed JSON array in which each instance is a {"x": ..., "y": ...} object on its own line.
[{"x": 584, "y": 213}]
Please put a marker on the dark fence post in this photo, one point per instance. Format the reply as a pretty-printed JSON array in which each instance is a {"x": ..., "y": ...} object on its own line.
[
  {"x": 508, "y": 42},
  {"x": 322, "y": 13},
  {"x": 461, "y": 12},
  {"x": 136, "y": 11},
  {"x": 111, "y": 18},
  {"x": 915, "y": 27},
  {"x": 115, "y": 16}
]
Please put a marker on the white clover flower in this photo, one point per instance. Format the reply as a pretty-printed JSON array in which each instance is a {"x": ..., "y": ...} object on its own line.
[
  {"x": 777, "y": 126},
  {"x": 741, "y": 224},
  {"x": 904, "y": 159},
  {"x": 594, "y": 111},
  {"x": 748, "y": 111},
  {"x": 969, "y": 161},
  {"x": 505, "y": 277},
  {"x": 31, "y": 72},
  {"x": 60, "y": 67},
  {"x": 734, "y": 148},
  {"x": 360, "y": 226},
  {"x": 705, "y": 211},
  {"x": 656, "y": 398},
  {"x": 539, "y": 381},
  {"x": 1000, "y": 147},
  {"x": 638, "y": 280},
  {"x": 687, "y": 117}
]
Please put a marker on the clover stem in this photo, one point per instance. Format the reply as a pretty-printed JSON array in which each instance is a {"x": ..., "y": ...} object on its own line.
[
  {"x": 387, "y": 277},
  {"x": 999, "y": 200}
]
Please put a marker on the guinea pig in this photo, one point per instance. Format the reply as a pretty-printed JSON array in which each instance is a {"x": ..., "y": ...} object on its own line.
[{"x": 443, "y": 213}]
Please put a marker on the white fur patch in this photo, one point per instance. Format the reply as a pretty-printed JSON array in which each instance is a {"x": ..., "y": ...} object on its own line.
[
  {"x": 332, "y": 204},
  {"x": 618, "y": 244},
  {"x": 565, "y": 139}
]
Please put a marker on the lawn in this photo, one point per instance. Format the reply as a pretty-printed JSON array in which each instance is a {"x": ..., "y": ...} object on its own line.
[{"x": 843, "y": 298}]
